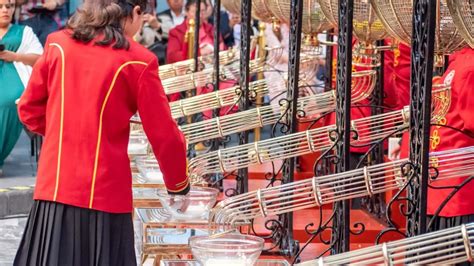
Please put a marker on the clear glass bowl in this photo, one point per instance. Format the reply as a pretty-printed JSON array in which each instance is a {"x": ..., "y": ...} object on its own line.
[
  {"x": 137, "y": 144},
  {"x": 226, "y": 250},
  {"x": 149, "y": 170},
  {"x": 195, "y": 205}
]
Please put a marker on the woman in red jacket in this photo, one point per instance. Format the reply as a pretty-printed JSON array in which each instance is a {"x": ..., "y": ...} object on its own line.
[
  {"x": 177, "y": 49},
  {"x": 83, "y": 91},
  {"x": 177, "y": 45},
  {"x": 460, "y": 208}
]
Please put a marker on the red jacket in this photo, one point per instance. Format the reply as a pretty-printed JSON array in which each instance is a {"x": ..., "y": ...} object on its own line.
[
  {"x": 81, "y": 98},
  {"x": 460, "y": 75},
  {"x": 178, "y": 47}
]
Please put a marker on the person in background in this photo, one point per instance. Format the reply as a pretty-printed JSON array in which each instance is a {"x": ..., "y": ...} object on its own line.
[
  {"x": 178, "y": 47},
  {"x": 225, "y": 26},
  {"x": 41, "y": 15},
  {"x": 279, "y": 41},
  {"x": 151, "y": 31},
  {"x": 459, "y": 77},
  {"x": 20, "y": 49},
  {"x": 171, "y": 17},
  {"x": 82, "y": 102},
  {"x": 151, "y": 36}
]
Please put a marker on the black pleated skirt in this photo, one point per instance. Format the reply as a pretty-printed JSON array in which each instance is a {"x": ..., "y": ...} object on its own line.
[
  {"x": 58, "y": 234},
  {"x": 441, "y": 223}
]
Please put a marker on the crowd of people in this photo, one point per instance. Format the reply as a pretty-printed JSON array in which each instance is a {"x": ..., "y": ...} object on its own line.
[
  {"x": 26, "y": 24},
  {"x": 91, "y": 124},
  {"x": 163, "y": 33}
]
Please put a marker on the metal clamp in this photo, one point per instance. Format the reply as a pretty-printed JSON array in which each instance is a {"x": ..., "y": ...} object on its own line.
[
  {"x": 221, "y": 161},
  {"x": 368, "y": 181},
  {"x": 181, "y": 108},
  {"x": 353, "y": 126},
  {"x": 193, "y": 80},
  {"x": 406, "y": 114},
  {"x": 257, "y": 153},
  {"x": 317, "y": 192},
  {"x": 261, "y": 205},
  {"x": 467, "y": 243},
  {"x": 218, "y": 99},
  {"x": 310, "y": 141},
  {"x": 386, "y": 255},
  {"x": 219, "y": 127},
  {"x": 175, "y": 69}
]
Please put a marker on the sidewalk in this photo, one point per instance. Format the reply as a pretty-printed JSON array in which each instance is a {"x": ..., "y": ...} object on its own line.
[{"x": 16, "y": 184}]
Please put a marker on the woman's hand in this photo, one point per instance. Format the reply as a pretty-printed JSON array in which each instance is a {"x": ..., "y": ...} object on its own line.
[
  {"x": 152, "y": 21},
  {"x": 8, "y": 56},
  {"x": 27, "y": 59}
]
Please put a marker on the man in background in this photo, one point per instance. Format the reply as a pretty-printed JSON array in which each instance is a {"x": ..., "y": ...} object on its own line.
[
  {"x": 171, "y": 17},
  {"x": 41, "y": 15}
]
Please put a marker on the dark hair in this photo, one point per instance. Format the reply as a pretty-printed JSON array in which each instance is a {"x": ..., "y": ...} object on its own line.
[
  {"x": 189, "y": 3},
  {"x": 103, "y": 17}
]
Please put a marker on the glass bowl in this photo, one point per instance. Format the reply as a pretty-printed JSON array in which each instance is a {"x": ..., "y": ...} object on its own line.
[
  {"x": 149, "y": 170},
  {"x": 226, "y": 250},
  {"x": 137, "y": 144},
  {"x": 195, "y": 205}
]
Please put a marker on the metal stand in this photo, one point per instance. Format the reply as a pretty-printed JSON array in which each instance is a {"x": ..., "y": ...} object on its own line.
[
  {"x": 197, "y": 20},
  {"x": 341, "y": 230},
  {"x": 246, "y": 9},
  {"x": 288, "y": 245},
  {"x": 376, "y": 204},
  {"x": 422, "y": 53}
]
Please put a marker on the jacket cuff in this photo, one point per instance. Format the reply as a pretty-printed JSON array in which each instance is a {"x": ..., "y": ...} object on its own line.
[{"x": 183, "y": 191}]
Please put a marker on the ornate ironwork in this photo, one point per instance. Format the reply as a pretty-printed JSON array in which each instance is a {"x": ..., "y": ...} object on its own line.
[
  {"x": 288, "y": 245},
  {"x": 246, "y": 28},
  {"x": 341, "y": 229},
  {"x": 376, "y": 204},
  {"x": 424, "y": 25}
]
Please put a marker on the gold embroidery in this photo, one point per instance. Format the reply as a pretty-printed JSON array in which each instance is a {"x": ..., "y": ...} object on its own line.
[
  {"x": 396, "y": 55},
  {"x": 434, "y": 162},
  {"x": 61, "y": 121},
  {"x": 184, "y": 186},
  {"x": 99, "y": 136}
]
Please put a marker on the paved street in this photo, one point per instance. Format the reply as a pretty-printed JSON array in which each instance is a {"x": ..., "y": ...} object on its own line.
[
  {"x": 20, "y": 167},
  {"x": 10, "y": 235}
]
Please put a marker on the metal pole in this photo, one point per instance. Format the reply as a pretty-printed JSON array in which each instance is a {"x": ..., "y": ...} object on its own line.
[
  {"x": 261, "y": 55},
  {"x": 378, "y": 97},
  {"x": 341, "y": 221},
  {"x": 329, "y": 62},
  {"x": 197, "y": 20},
  {"x": 422, "y": 53},
  {"x": 246, "y": 28},
  {"x": 217, "y": 21},
  {"x": 376, "y": 204},
  {"x": 190, "y": 38},
  {"x": 296, "y": 15}
]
